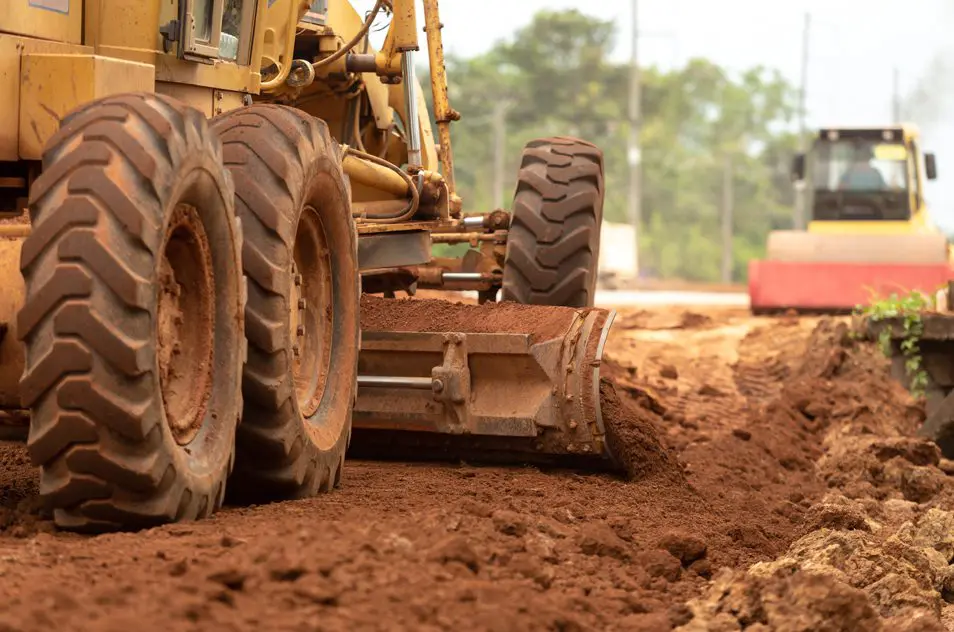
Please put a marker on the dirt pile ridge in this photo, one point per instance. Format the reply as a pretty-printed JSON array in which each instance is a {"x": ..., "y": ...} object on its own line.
[{"x": 877, "y": 549}]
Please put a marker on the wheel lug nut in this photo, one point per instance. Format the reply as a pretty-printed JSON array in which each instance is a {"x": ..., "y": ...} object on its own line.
[
  {"x": 301, "y": 303},
  {"x": 296, "y": 350},
  {"x": 301, "y": 330},
  {"x": 297, "y": 279}
]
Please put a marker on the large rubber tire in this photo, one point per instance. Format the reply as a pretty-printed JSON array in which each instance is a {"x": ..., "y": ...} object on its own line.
[
  {"x": 290, "y": 190},
  {"x": 554, "y": 242},
  {"x": 132, "y": 419}
]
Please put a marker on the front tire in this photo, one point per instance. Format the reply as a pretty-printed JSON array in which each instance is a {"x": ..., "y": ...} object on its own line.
[
  {"x": 133, "y": 318},
  {"x": 300, "y": 255},
  {"x": 554, "y": 241}
]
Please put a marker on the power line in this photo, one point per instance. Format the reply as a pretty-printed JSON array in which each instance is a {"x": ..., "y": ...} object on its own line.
[
  {"x": 801, "y": 200},
  {"x": 634, "y": 154}
]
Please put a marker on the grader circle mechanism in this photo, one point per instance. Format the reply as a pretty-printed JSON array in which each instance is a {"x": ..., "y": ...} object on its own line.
[{"x": 207, "y": 199}]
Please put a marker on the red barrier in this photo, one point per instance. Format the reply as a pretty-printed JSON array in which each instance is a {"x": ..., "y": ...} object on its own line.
[{"x": 837, "y": 286}]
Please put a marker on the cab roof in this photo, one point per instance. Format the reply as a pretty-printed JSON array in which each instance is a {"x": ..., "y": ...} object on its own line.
[{"x": 904, "y": 131}]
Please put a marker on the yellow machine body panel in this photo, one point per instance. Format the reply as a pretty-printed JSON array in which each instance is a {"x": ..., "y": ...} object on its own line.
[
  {"x": 893, "y": 203},
  {"x": 872, "y": 228},
  {"x": 257, "y": 38},
  {"x": 45, "y": 97},
  {"x": 54, "y": 20}
]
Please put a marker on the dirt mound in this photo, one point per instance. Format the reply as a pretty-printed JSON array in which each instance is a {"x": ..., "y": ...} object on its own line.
[
  {"x": 21, "y": 512},
  {"x": 880, "y": 541},
  {"x": 427, "y": 315},
  {"x": 785, "y": 601},
  {"x": 633, "y": 437},
  {"x": 655, "y": 320}
]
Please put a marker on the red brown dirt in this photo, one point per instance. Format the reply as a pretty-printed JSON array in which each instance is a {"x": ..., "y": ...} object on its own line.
[
  {"x": 723, "y": 416},
  {"x": 428, "y": 315}
]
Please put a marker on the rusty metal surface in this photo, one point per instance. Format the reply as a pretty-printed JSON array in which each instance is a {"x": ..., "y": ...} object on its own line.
[
  {"x": 372, "y": 228},
  {"x": 393, "y": 250},
  {"x": 474, "y": 239},
  {"x": 443, "y": 112},
  {"x": 537, "y": 394}
]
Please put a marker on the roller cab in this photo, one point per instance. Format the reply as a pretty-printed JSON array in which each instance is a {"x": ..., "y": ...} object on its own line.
[{"x": 869, "y": 233}]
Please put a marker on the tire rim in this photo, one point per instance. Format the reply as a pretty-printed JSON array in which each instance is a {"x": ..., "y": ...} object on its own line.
[
  {"x": 185, "y": 324},
  {"x": 312, "y": 312}
]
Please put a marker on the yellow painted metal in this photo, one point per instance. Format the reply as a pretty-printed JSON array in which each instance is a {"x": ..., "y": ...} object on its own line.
[
  {"x": 278, "y": 42},
  {"x": 914, "y": 240},
  {"x": 129, "y": 29},
  {"x": 375, "y": 176},
  {"x": 52, "y": 85},
  {"x": 919, "y": 222},
  {"x": 49, "y": 21},
  {"x": 872, "y": 227},
  {"x": 198, "y": 97},
  {"x": 224, "y": 76},
  {"x": 344, "y": 21},
  {"x": 443, "y": 112},
  {"x": 401, "y": 37},
  {"x": 225, "y": 101},
  {"x": 11, "y": 48},
  {"x": 124, "y": 51}
]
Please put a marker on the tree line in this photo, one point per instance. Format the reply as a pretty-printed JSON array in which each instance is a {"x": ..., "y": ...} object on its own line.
[{"x": 556, "y": 76}]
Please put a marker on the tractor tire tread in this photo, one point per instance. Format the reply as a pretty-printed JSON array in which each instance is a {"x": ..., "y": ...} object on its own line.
[
  {"x": 271, "y": 151},
  {"x": 87, "y": 374},
  {"x": 553, "y": 245}
]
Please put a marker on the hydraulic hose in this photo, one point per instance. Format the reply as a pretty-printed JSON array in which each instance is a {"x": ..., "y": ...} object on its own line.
[
  {"x": 415, "y": 200},
  {"x": 344, "y": 50}
]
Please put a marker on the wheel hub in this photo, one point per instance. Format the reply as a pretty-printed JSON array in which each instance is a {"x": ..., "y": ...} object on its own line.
[
  {"x": 311, "y": 312},
  {"x": 185, "y": 324}
]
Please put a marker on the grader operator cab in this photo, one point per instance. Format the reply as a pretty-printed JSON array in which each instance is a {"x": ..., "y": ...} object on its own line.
[
  {"x": 209, "y": 183},
  {"x": 869, "y": 233}
]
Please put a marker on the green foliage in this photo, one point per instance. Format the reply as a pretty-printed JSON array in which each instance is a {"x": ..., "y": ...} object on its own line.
[
  {"x": 557, "y": 77},
  {"x": 907, "y": 310}
]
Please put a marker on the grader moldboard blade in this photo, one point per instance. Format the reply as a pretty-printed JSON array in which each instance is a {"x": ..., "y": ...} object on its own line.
[{"x": 498, "y": 382}]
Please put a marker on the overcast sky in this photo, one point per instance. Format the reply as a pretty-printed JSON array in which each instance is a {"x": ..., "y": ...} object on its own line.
[{"x": 855, "y": 45}]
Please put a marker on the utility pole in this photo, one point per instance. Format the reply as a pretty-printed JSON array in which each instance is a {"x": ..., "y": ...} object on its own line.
[
  {"x": 728, "y": 209},
  {"x": 800, "y": 196},
  {"x": 634, "y": 154},
  {"x": 500, "y": 150},
  {"x": 896, "y": 97}
]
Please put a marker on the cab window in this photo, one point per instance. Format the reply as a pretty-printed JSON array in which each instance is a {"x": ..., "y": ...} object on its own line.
[{"x": 218, "y": 29}]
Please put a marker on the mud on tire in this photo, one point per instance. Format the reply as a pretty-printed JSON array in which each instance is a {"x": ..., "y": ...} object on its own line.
[
  {"x": 553, "y": 246},
  {"x": 132, "y": 420},
  {"x": 300, "y": 256}
]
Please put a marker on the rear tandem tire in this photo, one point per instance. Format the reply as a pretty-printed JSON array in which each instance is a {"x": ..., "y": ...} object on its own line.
[
  {"x": 133, "y": 318},
  {"x": 554, "y": 241},
  {"x": 300, "y": 255}
]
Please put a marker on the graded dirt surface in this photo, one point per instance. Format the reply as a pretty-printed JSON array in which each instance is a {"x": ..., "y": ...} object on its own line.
[{"x": 776, "y": 486}]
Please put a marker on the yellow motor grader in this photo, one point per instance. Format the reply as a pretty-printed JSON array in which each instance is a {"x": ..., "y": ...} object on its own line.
[{"x": 193, "y": 194}]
